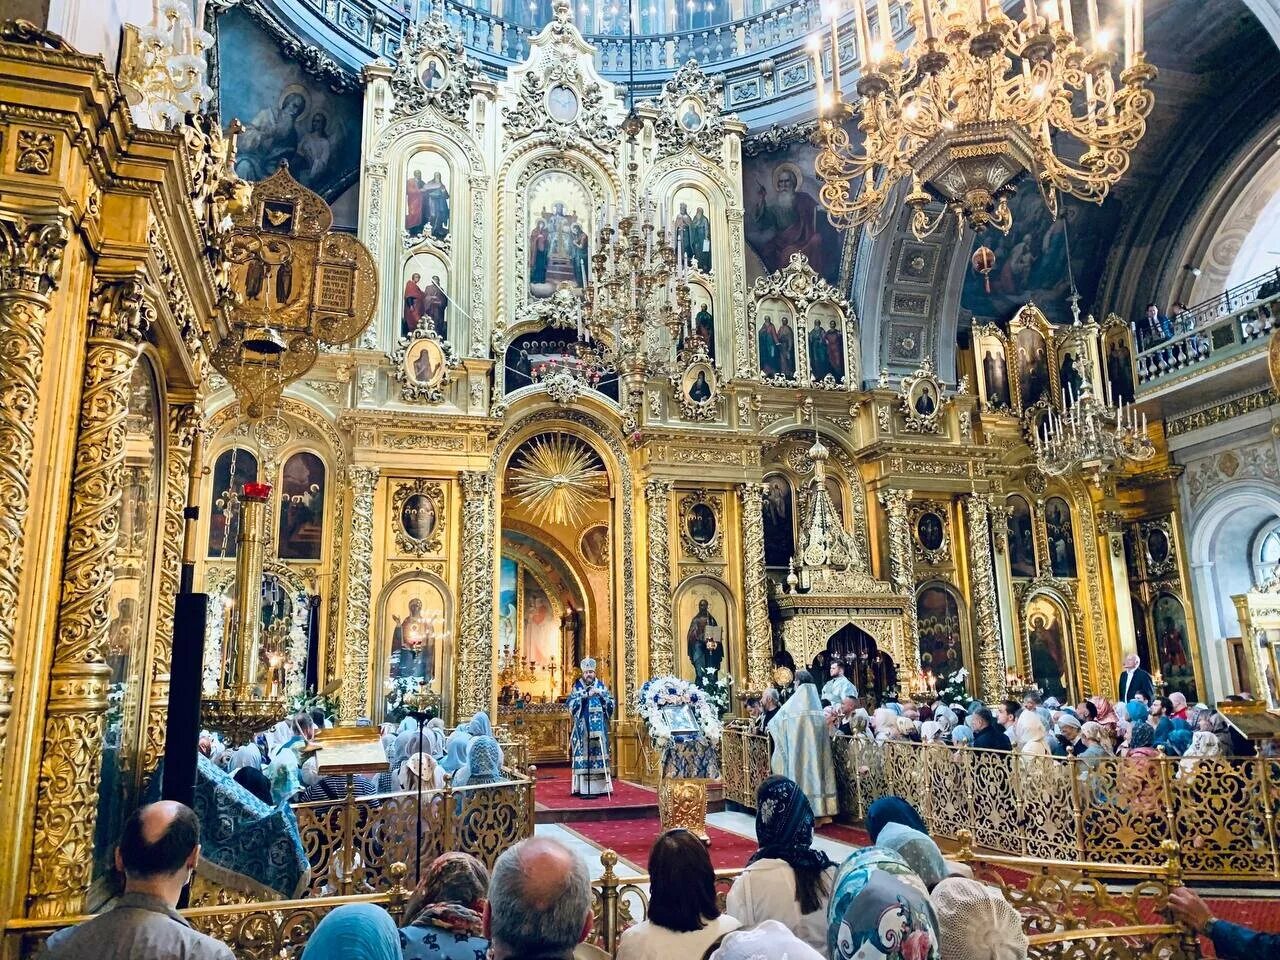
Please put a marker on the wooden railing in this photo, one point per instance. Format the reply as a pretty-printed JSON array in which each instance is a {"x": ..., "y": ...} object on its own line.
[{"x": 1220, "y": 812}]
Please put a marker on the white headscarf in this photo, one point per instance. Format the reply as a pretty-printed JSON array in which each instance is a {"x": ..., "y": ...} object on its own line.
[
  {"x": 769, "y": 940},
  {"x": 976, "y": 922},
  {"x": 246, "y": 756},
  {"x": 931, "y": 731},
  {"x": 1032, "y": 735}
]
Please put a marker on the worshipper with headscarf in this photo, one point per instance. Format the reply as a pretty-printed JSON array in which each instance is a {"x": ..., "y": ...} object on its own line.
[
  {"x": 591, "y": 708},
  {"x": 769, "y": 939},
  {"x": 962, "y": 736},
  {"x": 891, "y": 809},
  {"x": 1096, "y": 743},
  {"x": 483, "y": 766},
  {"x": 1216, "y": 724},
  {"x": 1179, "y": 739},
  {"x": 434, "y": 735},
  {"x": 1204, "y": 745},
  {"x": 801, "y": 748},
  {"x": 931, "y": 732},
  {"x": 446, "y": 911},
  {"x": 786, "y": 879},
  {"x": 1105, "y": 713},
  {"x": 420, "y": 771},
  {"x": 1139, "y": 780},
  {"x": 919, "y": 851},
  {"x": 880, "y": 908},
  {"x": 976, "y": 922},
  {"x": 455, "y": 754},
  {"x": 354, "y": 931},
  {"x": 1069, "y": 733}
]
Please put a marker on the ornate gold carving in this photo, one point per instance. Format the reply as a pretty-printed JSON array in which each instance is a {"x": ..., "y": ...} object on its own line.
[
  {"x": 690, "y": 86},
  {"x": 901, "y": 577},
  {"x": 34, "y": 153},
  {"x": 921, "y": 400},
  {"x": 475, "y": 636},
  {"x": 412, "y": 388},
  {"x": 759, "y": 634},
  {"x": 427, "y": 39},
  {"x": 942, "y": 552},
  {"x": 684, "y": 379},
  {"x": 689, "y": 547},
  {"x": 682, "y": 805},
  {"x": 434, "y": 493},
  {"x": 355, "y": 650},
  {"x": 67, "y": 794},
  {"x": 800, "y": 286},
  {"x": 986, "y": 610},
  {"x": 662, "y": 656}
]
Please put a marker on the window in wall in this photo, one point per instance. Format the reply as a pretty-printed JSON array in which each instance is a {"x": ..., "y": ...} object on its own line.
[{"x": 1266, "y": 552}]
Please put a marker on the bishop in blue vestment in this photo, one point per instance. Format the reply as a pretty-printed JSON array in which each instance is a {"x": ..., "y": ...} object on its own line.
[{"x": 590, "y": 709}]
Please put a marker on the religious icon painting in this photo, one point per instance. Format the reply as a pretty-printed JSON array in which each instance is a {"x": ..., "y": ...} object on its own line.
[
  {"x": 593, "y": 547},
  {"x": 277, "y": 216},
  {"x": 562, "y": 104},
  {"x": 424, "y": 364},
  {"x": 427, "y": 196},
  {"x": 930, "y": 528},
  {"x": 824, "y": 337},
  {"x": 1021, "y": 538},
  {"x": 1033, "y": 367},
  {"x": 993, "y": 369},
  {"x": 1173, "y": 645},
  {"x": 702, "y": 524},
  {"x": 1117, "y": 350},
  {"x": 1061, "y": 536},
  {"x": 418, "y": 509},
  {"x": 703, "y": 323},
  {"x": 433, "y": 72},
  {"x": 558, "y": 245},
  {"x": 938, "y": 621},
  {"x": 1071, "y": 376},
  {"x": 699, "y": 391},
  {"x": 691, "y": 114},
  {"x": 414, "y": 629},
  {"x": 1157, "y": 547},
  {"x": 302, "y": 507},
  {"x": 702, "y": 612},
  {"x": 224, "y": 515},
  {"x": 425, "y": 304},
  {"x": 779, "y": 521},
  {"x": 700, "y": 531},
  {"x": 691, "y": 224},
  {"x": 776, "y": 341},
  {"x": 1047, "y": 630}
]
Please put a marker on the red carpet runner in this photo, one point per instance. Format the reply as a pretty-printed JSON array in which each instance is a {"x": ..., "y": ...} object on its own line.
[
  {"x": 554, "y": 784},
  {"x": 631, "y": 840}
]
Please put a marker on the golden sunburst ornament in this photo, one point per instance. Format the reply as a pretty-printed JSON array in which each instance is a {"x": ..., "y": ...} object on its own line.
[{"x": 558, "y": 480}]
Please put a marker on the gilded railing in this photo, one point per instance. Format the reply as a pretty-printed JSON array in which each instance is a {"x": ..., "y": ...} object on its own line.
[
  {"x": 352, "y": 843},
  {"x": 254, "y": 931},
  {"x": 1221, "y": 812}
]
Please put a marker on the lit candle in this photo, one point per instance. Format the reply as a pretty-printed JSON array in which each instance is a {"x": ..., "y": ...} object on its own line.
[
  {"x": 1092, "y": 7},
  {"x": 886, "y": 31},
  {"x": 1137, "y": 27},
  {"x": 815, "y": 48},
  {"x": 864, "y": 32},
  {"x": 1068, "y": 23},
  {"x": 1128, "y": 33}
]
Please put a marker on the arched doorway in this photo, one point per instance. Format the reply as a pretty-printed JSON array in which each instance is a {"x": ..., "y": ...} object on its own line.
[{"x": 870, "y": 669}]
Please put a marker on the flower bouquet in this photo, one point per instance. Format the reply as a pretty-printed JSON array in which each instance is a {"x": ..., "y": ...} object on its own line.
[{"x": 657, "y": 695}]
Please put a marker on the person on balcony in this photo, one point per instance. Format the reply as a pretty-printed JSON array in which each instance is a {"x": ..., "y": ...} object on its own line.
[
  {"x": 683, "y": 917},
  {"x": 786, "y": 879},
  {"x": 802, "y": 749},
  {"x": 446, "y": 911},
  {"x": 1231, "y": 941}
]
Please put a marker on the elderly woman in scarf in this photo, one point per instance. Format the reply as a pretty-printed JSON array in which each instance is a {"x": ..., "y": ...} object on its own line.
[
  {"x": 1178, "y": 701},
  {"x": 420, "y": 772},
  {"x": 919, "y": 851},
  {"x": 1105, "y": 713},
  {"x": 483, "y": 766},
  {"x": 880, "y": 908},
  {"x": 479, "y": 726},
  {"x": 786, "y": 879},
  {"x": 1033, "y": 738},
  {"x": 977, "y": 922},
  {"x": 435, "y": 737},
  {"x": 455, "y": 754},
  {"x": 931, "y": 732},
  {"x": 354, "y": 930},
  {"x": 962, "y": 736},
  {"x": 446, "y": 911},
  {"x": 885, "y": 723},
  {"x": 891, "y": 809},
  {"x": 1216, "y": 723},
  {"x": 1204, "y": 745}
]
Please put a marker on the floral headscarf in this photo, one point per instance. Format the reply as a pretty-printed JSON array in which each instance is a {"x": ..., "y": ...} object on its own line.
[
  {"x": 784, "y": 826},
  {"x": 1107, "y": 716},
  {"x": 1142, "y": 735},
  {"x": 450, "y": 872},
  {"x": 880, "y": 908},
  {"x": 918, "y": 850}
]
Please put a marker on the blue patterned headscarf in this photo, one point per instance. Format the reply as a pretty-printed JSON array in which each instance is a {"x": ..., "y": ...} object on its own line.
[
  {"x": 1179, "y": 740},
  {"x": 355, "y": 930},
  {"x": 1137, "y": 711},
  {"x": 891, "y": 809},
  {"x": 880, "y": 902},
  {"x": 918, "y": 849},
  {"x": 784, "y": 826},
  {"x": 480, "y": 725},
  {"x": 962, "y": 736},
  {"x": 455, "y": 752},
  {"x": 484, "y": 764}
]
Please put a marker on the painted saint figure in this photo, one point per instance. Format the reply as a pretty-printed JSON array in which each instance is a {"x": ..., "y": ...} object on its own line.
[
  {"x": 696, "y": 638},
  {"x": 413, "y": 297},
  {"x": 787, "y": 348},
  {"x": 700, "y": 390},
  {"x": 413, "y": 644},
  {"x": 539, "y": 252},
  {"x": 590, "y": 709},
  {"x": 768, "y": 343},
  {"x": 434, "y": 301},
  {"x": 833, "y": 339},
  {"x": 699, "y": 234},
  {"x": 818, "y": 365},
  {"x": 704, "y": 326}
]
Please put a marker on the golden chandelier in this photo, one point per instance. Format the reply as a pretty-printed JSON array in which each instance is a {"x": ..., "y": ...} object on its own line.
[{"x": 973, "y": 103}]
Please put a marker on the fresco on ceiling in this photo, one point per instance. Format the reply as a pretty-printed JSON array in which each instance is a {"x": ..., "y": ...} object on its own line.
[
  {"x": 1031, "y": 261},
  {"x": 783, "y": 215},
  {"x": 287, "y": 115}
]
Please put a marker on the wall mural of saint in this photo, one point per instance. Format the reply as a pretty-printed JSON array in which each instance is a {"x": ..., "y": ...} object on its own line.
[
  {"x": 425, "y": 295},
  {"x": 224, "y": 524},
  {"x": 701, "y": 608},
  {"x": 415, "y": 626},
  {"x": 826, "y": 345},
  {"x": 1119, "y": 366},
  {"x": 559, "y": 240},
  {"x": 783, "y": 215},
  {"x": 938, "y": 620},
  {"x": 1173, "y": 646},
  {"x": 779, "y": 521},
  {"x": 995, "y": 371},
  {"x": 1047, "y": 638},
  {"x": 776, "y": 341},
  {"x": 704, "y": 322},
  {"x": 1062, "y": 540},
  {"x": 302, "y": 507},
  {"x": 426, "y": 196},
  {"x": 1022, "y": 549}
]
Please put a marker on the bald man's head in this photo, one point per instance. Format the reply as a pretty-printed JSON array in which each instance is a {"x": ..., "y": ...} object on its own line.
[
  {"x": 159, "y": 840},
  {"x": 539, "y": 900}
]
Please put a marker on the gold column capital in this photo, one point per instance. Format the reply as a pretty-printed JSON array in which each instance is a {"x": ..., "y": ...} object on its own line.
[
  {"x": 31, "y": 251},
  {"x": 759, "y": 633}
]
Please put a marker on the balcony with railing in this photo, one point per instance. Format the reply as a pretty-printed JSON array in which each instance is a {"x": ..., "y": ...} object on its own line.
[{"x": 1225, "y": 336}]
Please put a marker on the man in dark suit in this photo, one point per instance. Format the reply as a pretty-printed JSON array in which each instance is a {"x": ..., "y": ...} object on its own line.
[
  {"x": 1135, "y": 681},
  {"x": 987, "y": 734}
]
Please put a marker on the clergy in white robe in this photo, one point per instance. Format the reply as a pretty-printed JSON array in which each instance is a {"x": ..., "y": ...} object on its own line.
[
  {"x": 802, "y": 748},
  {"x": 839, "y": 686}
]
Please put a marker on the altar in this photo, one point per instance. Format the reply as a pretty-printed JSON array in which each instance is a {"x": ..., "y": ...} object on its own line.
[{"x": 544, "y": 726}]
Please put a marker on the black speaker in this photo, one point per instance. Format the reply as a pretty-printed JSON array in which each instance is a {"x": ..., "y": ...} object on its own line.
[{"x": 182, "y": 727}]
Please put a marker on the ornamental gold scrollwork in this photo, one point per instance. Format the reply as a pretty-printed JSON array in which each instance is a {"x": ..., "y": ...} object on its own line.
[
  {"x": 690, "y": 89},
  {"x": 425, "y": 41},
  {"x": 901, "y": 576},
  {"x": 431, "y": 496},
  {"x": 355, "y": 652},
  {"x": 67, "y": 807},
  {"x": 759, "y": 634},
  {"x": 475, "y": 640},
  {"x": 661, "y": 638},
  {"x": 698, "y": 547},
  {"x": 986, "y": 611},
  {"x": 31, "y": 251},
  {"x": 921, "y": 401}
]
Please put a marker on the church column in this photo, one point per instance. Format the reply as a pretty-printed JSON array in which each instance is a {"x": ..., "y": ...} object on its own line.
[
  {"x": 662, "y": 651},
  {"x": 986, "y": 609},
  {"x": 474, "y": 682},
  {"x": 71, "y": 755},
  {"x": 30, "y": 265},
  {"x": 355, "y": 647},
  {"x": 759, "y": 635},
  {"x": 901, "y": 573},
  {"x": 184, "y": 422}
]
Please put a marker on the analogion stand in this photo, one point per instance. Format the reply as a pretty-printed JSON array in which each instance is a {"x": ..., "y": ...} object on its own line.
[{"x": 346, "y": 751}]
